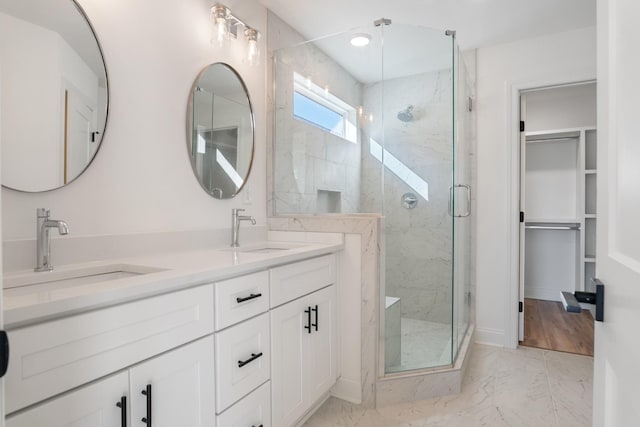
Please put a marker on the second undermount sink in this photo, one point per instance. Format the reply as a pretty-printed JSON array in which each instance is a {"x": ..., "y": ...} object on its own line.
[
  {"x": 17, "y": 284},
  {"x": 266, "y": 247}
]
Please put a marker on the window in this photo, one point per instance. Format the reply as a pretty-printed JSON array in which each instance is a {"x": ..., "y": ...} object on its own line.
[{"x": 318, "y": 107}]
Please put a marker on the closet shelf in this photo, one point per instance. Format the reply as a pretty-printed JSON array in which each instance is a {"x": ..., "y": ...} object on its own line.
[
  {"x": 590, "y": 172},
  {"x": 552, "y": 221},
  {"x": 589, "y": 258},
  {"x": 589, "y": 215}
]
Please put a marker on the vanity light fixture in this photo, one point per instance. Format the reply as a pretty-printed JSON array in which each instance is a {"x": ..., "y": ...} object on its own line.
[
  {"x": 360, "y": 39},
  {"x": 226, "y": 26}
]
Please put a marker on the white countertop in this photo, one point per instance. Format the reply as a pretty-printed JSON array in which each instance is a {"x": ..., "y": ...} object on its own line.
[{"x": 178, "y": 271}]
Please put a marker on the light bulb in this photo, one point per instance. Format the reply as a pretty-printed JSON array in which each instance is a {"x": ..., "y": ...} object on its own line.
[
  {"x": 220, "y": 24},
  {"x": 253, "y": 53}
]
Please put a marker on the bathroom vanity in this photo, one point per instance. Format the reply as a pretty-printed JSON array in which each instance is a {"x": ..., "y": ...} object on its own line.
[{"x": 219, "y": 337}]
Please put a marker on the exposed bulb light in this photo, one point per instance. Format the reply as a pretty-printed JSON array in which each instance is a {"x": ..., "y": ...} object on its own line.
[
  {"x": 253, "y": 53},
  {"x": 360, "y": 39},
  {"x": 227, "y": 26},
  {"x": 219, "y": 15}
]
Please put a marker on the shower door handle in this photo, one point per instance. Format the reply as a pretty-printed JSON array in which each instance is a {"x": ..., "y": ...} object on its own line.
[{"x": 451, "y": 196}]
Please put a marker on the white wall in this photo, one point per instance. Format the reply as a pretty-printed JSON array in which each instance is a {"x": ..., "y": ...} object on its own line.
[
  {"x": 501, "y": 70},
  {"x": 561, "y": 107},
  {"x": 141, "y": 179}
]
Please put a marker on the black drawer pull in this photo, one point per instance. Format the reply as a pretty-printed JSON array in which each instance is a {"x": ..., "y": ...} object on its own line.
[
  {"x": 123, "y": 410},
  {"x": 4, "y": 353},
  {"x": 315, "y": 325},
  {"x": 255, "y": 426},
  {"x": 308, "y": 326},
  {"x": 147, "y": 392},
  {"x": 253, "y": 357},
  {"x": 250, "y": 297}
]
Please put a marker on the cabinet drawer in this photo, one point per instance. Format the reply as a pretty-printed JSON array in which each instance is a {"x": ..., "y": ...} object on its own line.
[
  {"x": 289, "y": 282},
  {"x": 52, "y": 357},
  {"x": 241, "y": 298},
  {"x": 253, "y": 410},
  {"x": 242, "y": 360}
]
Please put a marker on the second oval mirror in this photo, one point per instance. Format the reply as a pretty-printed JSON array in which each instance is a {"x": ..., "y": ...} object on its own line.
[{"x": 220, "y": 131}]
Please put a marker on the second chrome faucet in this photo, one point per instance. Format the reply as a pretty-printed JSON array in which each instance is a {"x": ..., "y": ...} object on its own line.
[
  {"x": 43, "y": 244},
  {"x": 235, "y": 225}
]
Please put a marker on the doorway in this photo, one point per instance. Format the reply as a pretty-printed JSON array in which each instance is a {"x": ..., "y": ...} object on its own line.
[{"x": 558, "y": 218}]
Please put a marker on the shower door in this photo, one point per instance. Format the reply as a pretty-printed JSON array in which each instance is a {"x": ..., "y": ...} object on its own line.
[{"x": 426, "y": 198}]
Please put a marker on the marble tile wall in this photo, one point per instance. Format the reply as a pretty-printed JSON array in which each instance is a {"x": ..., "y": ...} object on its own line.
[
  {"x": 306, "y": 158},
  {"x": 418, "y": 241}
]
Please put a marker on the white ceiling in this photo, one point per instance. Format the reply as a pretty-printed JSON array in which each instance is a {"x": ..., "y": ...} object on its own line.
[{"x": 478, "y": 22}]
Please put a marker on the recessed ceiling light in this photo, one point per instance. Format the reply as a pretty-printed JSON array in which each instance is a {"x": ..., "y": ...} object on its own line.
[{"x": 360, "y": 39}]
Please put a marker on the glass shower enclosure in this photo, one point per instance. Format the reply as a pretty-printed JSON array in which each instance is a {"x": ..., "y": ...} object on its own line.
[{"x": 386, "y": 127}]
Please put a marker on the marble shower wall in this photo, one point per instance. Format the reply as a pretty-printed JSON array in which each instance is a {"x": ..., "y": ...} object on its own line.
[
  {"x": 418, "y": 260},
  {"x": 308, "y": 159}
]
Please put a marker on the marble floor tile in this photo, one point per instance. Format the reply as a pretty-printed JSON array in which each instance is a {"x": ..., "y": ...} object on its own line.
[
  {"x": 424, "y": 344},
  {"x": 503, "y": 387}
]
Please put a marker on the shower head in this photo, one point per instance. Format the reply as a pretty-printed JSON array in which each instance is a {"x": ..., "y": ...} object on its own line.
[{"x": 406, "y": 115}]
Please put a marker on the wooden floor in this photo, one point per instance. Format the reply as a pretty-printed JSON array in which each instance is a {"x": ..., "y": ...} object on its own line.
[{"x": 547, "y": 325}]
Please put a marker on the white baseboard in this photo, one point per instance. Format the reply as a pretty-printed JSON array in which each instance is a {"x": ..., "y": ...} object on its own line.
[
  {"x": 348, "y": 390},
  {"x": 489, "y": 336}
]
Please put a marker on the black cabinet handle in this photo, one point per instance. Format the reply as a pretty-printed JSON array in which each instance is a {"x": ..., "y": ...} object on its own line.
[
  {"x": 315, "y": 325},
  {"x": 147, "y": 392},
  {"x": 308, "y": 327},
  {"x": 250, "y": 297},
  {"x": 253, "y": 357},
  {"x": 4, "y": 353},
  {"x": 123, "y": 410},
  {"x": 255, "y": 426}
]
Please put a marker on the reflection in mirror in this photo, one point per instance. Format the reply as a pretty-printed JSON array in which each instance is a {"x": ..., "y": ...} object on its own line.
[
  {"x": 220, "y": 131},
  {"x": 53, "y": 93}
]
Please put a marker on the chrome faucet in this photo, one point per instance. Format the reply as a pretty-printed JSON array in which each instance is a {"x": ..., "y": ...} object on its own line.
[
  {"x": 43, "y": 245},
  {"x": 235, "y": 225}
]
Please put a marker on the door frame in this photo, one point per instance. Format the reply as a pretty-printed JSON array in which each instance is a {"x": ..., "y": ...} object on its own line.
[{"x": 513, "y": 90}]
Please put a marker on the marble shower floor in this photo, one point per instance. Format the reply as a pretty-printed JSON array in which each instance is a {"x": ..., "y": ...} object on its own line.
[
  {"x": 424, "y": 345},
  {"x": 502, "y": 388}
]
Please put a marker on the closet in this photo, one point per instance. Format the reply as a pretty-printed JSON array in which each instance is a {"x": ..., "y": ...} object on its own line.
[{"x": 557, "y": 201}]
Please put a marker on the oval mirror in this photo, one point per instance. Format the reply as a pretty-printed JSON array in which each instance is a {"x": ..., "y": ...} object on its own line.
[
  {"x": 220, "y": 130},
  {"x": 53, "y": 93}
]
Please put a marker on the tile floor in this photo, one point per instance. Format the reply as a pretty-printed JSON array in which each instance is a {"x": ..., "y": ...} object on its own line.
[{"x": 523, "y": 387}]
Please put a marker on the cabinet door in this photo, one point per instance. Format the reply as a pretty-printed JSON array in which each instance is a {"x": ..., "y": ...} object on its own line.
[
  {"x": 289, "y": 382},
  {"x": 90, "y": 406},
  {"x": 182, "y": 387},
  {"x": 322, "y": 343}
]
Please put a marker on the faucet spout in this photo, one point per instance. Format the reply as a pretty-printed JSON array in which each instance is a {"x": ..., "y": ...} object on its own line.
[
  {"x": 43, "y": 244},
  {"x": 235, "y": 225}
]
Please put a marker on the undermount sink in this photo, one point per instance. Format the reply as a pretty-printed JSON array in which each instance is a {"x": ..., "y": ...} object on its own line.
[
  {"x": 265, "y": 250},
  {"x": 266, "y": 247},
  {"x": 16, "y": 284}
]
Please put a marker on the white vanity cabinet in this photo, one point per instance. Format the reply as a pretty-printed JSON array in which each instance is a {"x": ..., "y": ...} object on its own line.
[
  {"x": 303, "y": 337},
  {"x": 178, "y": 386}
]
